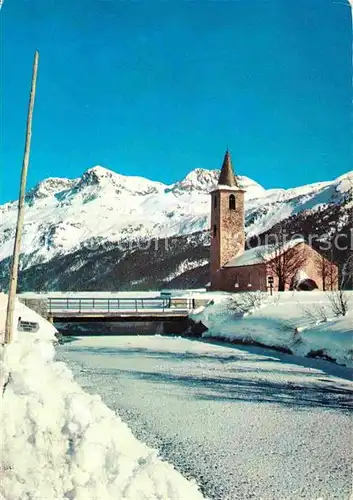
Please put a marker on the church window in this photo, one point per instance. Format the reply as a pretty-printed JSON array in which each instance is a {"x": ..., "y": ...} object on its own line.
[
  {"x": 232, "y": 202},
  {"x": 215, "y": 201},
  {"x": 214, "y": 231}
]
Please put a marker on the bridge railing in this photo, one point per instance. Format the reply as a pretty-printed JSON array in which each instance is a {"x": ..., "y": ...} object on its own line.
[{"x": 108, "y": 305}]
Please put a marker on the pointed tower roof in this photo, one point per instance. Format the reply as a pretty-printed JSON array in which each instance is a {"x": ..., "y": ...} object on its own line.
[{"x": 227, "y": 177}]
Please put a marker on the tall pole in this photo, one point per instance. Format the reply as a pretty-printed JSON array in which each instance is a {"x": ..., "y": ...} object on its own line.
[{"x": 20, "y": 214}]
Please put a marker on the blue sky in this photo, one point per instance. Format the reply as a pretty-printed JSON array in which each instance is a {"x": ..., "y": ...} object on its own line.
[{"x": 158, "y": 88}]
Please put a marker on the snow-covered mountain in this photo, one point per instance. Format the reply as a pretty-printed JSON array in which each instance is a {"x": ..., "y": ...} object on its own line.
[{"x": 103, "y": 208}]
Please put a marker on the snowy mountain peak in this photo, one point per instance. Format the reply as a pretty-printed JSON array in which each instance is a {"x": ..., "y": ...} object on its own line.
[
  {"x": 204, "y": 181},
  {"x": 109, "y": 180},
  {"x": 49, "y": 187},
  {"x": 345, "y": 183},
  {"x": 95, "y": 175},
  {"x": 252, "y": 188},
  {"x": 101, "y": 171},
  {"x": 62, "y": 215},
  {"x": 197, "y": 180},
  {"x": 202, "y": 176}
]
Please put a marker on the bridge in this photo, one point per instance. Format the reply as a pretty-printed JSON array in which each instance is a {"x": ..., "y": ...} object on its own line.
[{"x": 88, "y": 309}]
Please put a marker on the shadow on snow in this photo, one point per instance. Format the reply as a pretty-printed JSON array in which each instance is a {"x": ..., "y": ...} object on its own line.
[{"x": 239, "y": 386}]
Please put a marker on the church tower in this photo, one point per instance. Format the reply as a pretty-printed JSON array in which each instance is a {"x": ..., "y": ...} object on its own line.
[{"x": 227, "y": 221}]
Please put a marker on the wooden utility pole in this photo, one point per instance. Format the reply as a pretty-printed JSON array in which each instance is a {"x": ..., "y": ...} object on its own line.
[{"x": 20, "y": 215}]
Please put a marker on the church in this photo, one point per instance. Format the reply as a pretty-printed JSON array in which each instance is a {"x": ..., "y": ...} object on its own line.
[{"x": 283, "y": 265}]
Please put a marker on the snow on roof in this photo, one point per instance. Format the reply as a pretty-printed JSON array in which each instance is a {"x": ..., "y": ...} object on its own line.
[
  {"x": 300, "y": 276},
  {"x": 262, "y": 253}
]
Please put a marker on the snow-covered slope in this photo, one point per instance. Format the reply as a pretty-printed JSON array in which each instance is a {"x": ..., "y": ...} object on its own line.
[
  {"x": 303, "y": 323},
  {"x": 64, "y": 215}
]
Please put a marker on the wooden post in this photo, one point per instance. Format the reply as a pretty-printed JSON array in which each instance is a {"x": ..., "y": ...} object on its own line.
[{"x": 20, "y": 215}]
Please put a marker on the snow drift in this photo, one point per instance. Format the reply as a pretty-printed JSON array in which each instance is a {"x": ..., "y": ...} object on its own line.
[
  {"x": 301, "y": 322},
  {"x": 60, "y": 443}
]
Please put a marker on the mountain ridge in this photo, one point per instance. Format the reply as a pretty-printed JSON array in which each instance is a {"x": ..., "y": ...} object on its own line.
[{"x": 104, "y": 209}]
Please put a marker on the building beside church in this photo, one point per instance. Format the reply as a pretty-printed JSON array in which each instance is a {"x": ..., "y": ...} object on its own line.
[{"x": 288, "y": 263}]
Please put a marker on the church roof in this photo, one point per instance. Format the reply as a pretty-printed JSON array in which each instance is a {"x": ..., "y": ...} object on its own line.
[
  {"x": 227, "y": 177},
  {"x": 262, "y": 254}
]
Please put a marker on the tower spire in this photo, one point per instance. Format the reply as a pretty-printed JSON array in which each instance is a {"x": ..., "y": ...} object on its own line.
[{"x": 227, "y": 177}]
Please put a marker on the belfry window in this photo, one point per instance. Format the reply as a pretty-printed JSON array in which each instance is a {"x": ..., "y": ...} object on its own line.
[
  {"x": 215, "y": 201},
  {"x": 214, "y": 231},
  {"x": 232, "y": 202}
]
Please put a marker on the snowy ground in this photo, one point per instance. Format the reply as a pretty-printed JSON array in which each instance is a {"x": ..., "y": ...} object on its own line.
[
  {"x": 245, "y": 422},
  {"x": 201, "y": 293},
  {"x": 59, "y": 443},
  {"x": 300, "y": 321}
]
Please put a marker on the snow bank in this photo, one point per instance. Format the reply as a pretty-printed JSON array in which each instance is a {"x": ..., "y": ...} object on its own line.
[
  {"x": 60, "y": 443},
  {"x": 291, "y": 320}
]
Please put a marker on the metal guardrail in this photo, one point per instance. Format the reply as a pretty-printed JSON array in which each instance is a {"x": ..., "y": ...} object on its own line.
[{"x": 107, "y": 305}]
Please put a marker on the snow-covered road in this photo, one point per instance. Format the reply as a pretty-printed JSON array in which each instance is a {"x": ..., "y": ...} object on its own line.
[{"x": 244, "y": 422}]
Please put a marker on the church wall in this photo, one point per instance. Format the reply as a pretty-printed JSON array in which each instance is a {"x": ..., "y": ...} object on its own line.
[
  {"x": 312, "y": 266},
  {"x": 228, "y": 277},
  {"x": 257, "y": 275}
]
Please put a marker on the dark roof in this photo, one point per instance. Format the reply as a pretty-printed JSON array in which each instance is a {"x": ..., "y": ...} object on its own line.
[{"x": 227, "y": 177}]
